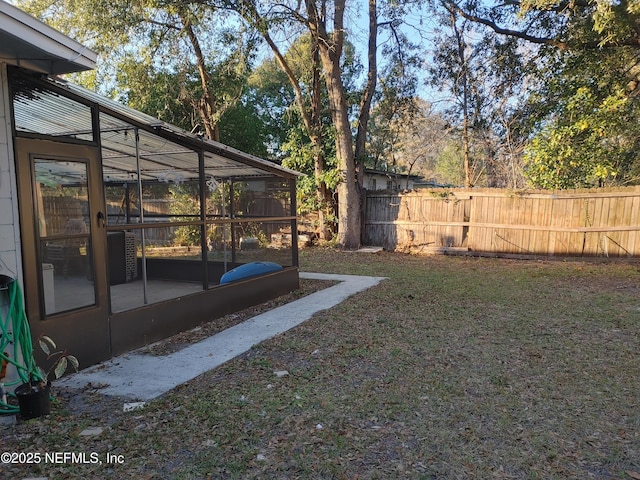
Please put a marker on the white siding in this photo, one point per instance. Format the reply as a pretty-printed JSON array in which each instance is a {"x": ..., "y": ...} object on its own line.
[
  {"x": 9, "y": 228},
  {"x": 10, "y": 251}
]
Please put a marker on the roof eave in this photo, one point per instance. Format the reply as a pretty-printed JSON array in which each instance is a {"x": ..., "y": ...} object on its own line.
[{"x": 31, "y": 44}]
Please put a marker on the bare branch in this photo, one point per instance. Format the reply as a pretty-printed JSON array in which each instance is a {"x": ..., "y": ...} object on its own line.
[
  {"x": 453, "y": 7},
  {"x": 631, "y": 41}
]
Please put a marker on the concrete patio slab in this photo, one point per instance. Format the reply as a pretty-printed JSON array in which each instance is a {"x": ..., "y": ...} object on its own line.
[
  {"x": 144, "y": 377},
  {"x": 370, "y": 250}
]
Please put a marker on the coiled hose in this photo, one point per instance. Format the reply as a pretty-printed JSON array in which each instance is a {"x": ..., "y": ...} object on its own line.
[{"x": 15, "y": 343}]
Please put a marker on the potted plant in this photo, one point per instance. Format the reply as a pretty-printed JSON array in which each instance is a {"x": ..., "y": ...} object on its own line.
[{"x": 33, "y": 396}]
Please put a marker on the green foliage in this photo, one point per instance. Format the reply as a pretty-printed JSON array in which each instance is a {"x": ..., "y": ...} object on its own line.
[
  {"x": 585, "y": 131},
  {"x": 393, "y": 113},
  {"x": 483, "y": 73},
  {"x": 270, "y": 96},
  {"x": 254, "y": 230},
  {"x": 159, "y": 93},
  {"x": 242, "y": 127},
  {"x": 300, "y": 157},
  {"x": 591, "y": 24},
  {"x": 584, "y": 148},
  {"x": 291, "y": 137},
  {"x": 579, "y": 124},
  {"x": 62, "y": 359},
  {"x": 173, "y": 91},
  {"x": 449, "y": 164},
  {"x": 184, "y": 201},
  {"x": 158, "y": 57}
]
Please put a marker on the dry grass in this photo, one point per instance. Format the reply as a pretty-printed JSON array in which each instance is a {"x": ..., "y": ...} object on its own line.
[{"x": 451, "y": 368}]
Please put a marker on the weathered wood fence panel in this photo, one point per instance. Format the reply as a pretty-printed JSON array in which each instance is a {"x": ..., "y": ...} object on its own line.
[{"x": 577, "y": 222}]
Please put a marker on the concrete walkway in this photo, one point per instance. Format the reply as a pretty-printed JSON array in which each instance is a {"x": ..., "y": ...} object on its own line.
[{"x": 144, "y": 377}]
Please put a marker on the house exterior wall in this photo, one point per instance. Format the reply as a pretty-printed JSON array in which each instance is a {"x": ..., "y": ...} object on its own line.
[
  {"x": 10, "y": 252},
  {"x": 379, "y": 181},
  {"x": 9, "y": 228}
]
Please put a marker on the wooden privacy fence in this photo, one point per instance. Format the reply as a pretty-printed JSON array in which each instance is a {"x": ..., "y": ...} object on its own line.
[{"x": 601, "y": 222}]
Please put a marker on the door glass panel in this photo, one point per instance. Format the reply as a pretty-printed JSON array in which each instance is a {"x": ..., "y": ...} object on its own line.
[{"x": 63, "y": 216}]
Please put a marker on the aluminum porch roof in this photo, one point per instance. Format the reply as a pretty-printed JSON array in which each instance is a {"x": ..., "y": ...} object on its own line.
[{"x": 163, "y": 149}]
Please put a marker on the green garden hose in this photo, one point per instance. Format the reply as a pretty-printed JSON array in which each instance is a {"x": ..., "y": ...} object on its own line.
[{"x": 16, "y": 340}]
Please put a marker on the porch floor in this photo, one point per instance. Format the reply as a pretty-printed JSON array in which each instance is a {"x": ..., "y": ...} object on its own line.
[
  {"x": 130, "y": 295},
  {"x": 125, "y": 296}
]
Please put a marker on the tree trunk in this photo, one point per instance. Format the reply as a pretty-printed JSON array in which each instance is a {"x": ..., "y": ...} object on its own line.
[
  {"x": 466, "y": 148},
  {"x": 206, "y": 106},
  {"x": 349, "y": 227},
  {"x": 312, "y": 120},
  {"x": 323, "y": 195},
  {"x": 464, "y": 78},
  {"x": 367, "y": 94},
  {"x": 330, "y": 49},
  {"x": 330, "y": 46}
]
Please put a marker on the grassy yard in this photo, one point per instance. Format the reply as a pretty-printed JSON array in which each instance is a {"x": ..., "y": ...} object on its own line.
[{"x": 451, "y": 368}]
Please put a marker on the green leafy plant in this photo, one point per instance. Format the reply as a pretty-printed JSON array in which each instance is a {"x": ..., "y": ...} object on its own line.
[
  {"x": 254, "y": 230},
  {"x": 62, "y": 359}
]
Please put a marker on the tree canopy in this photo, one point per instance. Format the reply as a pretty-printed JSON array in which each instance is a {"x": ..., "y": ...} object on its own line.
[{"x": 535, "y": 93}]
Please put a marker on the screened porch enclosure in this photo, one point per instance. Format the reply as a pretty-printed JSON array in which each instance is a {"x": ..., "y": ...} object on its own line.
[{"x": 165, "y": 216}]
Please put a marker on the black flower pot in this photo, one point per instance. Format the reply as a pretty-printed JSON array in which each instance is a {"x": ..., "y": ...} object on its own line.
[{"x": 33, "y": 399}]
